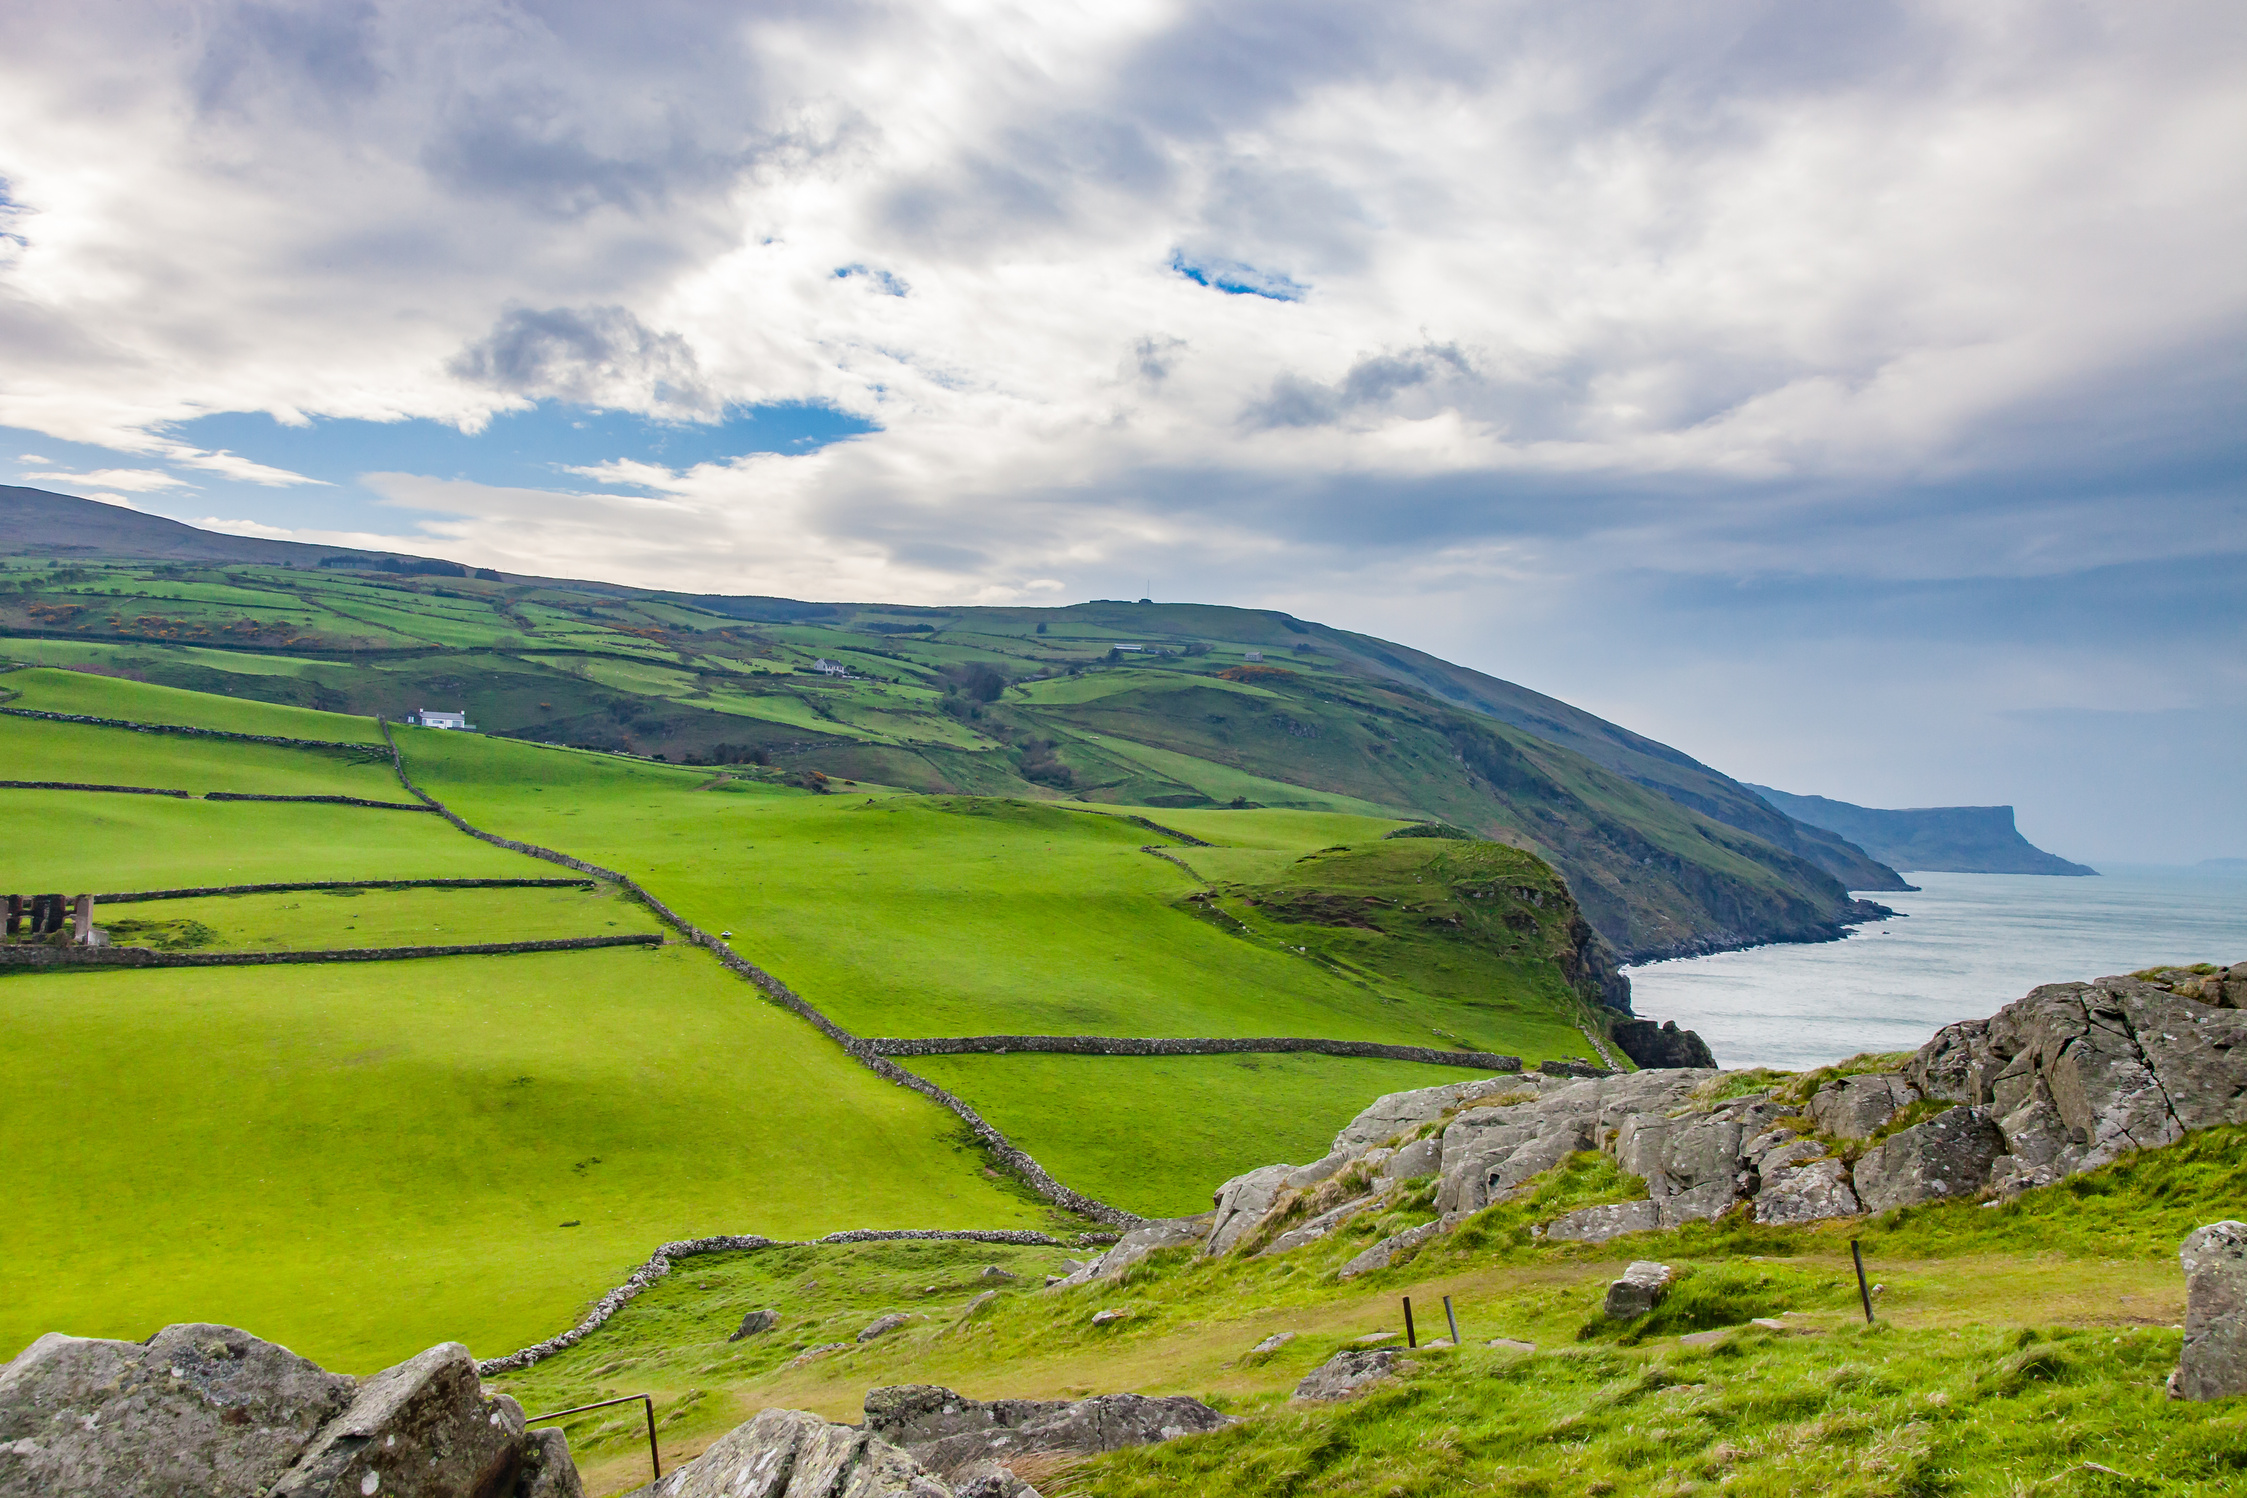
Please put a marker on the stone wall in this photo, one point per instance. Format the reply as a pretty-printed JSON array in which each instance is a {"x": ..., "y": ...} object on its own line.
[
  {"x": 42, "y": 956},
  {"x": 659, "y": 1264},
  {"x": 178, "y": 728},
  {"x": 153, "y": 790},
  {"x": 1104, "y": 1045},
  {"x": 73, "y": 785},
  {"x": 1016, "y": 1159},
  {"x": 130, "y": 896}
]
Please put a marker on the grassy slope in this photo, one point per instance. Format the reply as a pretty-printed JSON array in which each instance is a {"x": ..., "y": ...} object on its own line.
[
  {"x": 2015, "y": 1343},
  {"x": 903, "y": 916},
  {"x": 56, "y": 691},
  {"x": 1153, "y": 1134},
  {"x": 1339, "y": 726},
  {"x": 359, "y": 1161},
  {"x": 313, "y": 919},
  {"x": 94, "y": 840},
  {"x": 36, "y": 750}
]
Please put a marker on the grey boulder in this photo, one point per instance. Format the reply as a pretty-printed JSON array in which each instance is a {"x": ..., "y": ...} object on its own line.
[
  {"x": 212, "y": 1412},
  {"x": 1598, "y": 1224},
  {"x": 195, "y": 1409},
  {"x": 950, "y": 1432},
  {"x": 1655, "y": 1047},
  {"x": 755, "y": 1323},
  {"x": 2214, "y": 1362},
  {"x": 1855, "y": 1107},
  {"x": 1949, "y": 1155},
  {"x": 1641, "y": 1288},
  {"x": 787, "y": 1452},
  {"x": 1161, "y": 1232},
  {"x": 1385, "y": 1253},
  {"x": 423, "y": 1429},
  {"x": 1346, "y": 1375},
  {"x": 547, "y": 1470},
  {"x": 882, "y": 1326}
]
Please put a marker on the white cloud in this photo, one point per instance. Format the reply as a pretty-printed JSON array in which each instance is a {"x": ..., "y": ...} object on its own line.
[
  {"x": 1539, "y": 302},
  {"x": 138, "y": 480}
]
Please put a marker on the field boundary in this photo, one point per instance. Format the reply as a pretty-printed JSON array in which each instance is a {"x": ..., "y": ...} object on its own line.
[
  {"x": 1102, "y": 1045},
  {"x": 33, "y": 955},
  {"x": 128, "y": 897},
  {"x": 659, "y": 1264},
  {"x": 157, "y": 790},
  {"x": 321, "y": 800},
  {"x": 75, "y": 785},
  {"x": 200, "y": 733},
  {"x": 1016, "y": 1158}
]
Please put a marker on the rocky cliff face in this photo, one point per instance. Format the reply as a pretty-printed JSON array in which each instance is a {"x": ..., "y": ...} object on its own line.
[{"x": 1941, "y": 839}]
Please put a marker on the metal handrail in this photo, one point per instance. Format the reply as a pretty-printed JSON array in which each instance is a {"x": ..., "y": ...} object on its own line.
[{"x": 655, "y": 1458}]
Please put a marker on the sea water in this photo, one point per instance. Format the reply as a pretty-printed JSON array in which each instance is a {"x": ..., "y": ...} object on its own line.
[{"x": 1964, "y": 946}]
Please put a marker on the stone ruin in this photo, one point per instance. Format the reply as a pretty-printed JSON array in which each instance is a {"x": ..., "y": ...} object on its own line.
[{"x": 43, "y": 917}]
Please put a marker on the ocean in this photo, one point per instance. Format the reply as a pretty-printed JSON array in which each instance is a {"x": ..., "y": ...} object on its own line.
[{"x": 1966, "y": 945}]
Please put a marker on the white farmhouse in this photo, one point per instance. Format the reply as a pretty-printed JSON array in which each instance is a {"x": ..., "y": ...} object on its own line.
[
  {"x": 431, "y": 718},
  {"x": 826, "y": 667}
]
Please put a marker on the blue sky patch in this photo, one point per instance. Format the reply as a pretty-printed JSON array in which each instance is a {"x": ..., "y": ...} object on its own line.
[
  {"x": 1235, "y": 279},
  {"x": 533, "y": 449},
  {"x": 881, "y": 280}
]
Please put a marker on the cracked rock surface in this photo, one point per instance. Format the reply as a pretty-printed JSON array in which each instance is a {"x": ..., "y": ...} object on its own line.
[
  {"x": 2064, "y": 1080},
  {"x": 949, "y": 1432},
  {"x": 201, "y": 1411}
]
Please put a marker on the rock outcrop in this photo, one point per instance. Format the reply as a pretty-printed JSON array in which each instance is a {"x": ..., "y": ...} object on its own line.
[
  {"x": 787, "y": 1451},
  {"x": 2214, "y": 1362},
  {"x": 951, "y": 1433},
  {"x": 2061, "y": 1081},
  {"x": 1638, "y": 1290},
  {"x": 1949, "y": 1155},
  {"x": 210, "y": 1410},
  {"x": 1346, "y": 1375},
  {"x": 756, "y": 1323},
  {"x": 1653, "y": 1046}
]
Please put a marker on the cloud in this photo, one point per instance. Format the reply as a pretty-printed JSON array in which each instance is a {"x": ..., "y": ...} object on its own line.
[
  {"x": 596, "y": 356},
  {"x": 137, "y": 480},
  {"x": 1501, "y": 326}
]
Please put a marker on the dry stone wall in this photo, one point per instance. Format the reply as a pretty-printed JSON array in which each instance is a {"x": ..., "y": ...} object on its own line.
[
  {"x": 1004, "y": 1148},
  {"x": 1105, "y": 1045},
  {"x": 43, "y": 956}
]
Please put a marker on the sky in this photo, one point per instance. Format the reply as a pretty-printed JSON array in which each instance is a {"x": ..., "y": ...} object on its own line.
[{"x": 1849, "y": 394}]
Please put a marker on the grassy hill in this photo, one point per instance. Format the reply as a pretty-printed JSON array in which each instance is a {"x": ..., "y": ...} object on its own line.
[
  {"x": 352, "y": 1156},
  {"x": 2019, "y": 1347},
  {"x": 1166, "y": 705}
]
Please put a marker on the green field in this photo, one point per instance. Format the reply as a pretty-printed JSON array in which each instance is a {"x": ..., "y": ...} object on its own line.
[
  {"x": 311, "y": 920},
  {"x": 2015, "y": 1344},
  {"x": 392, "y": 1089},
  {"x": 56, "y": 691},
  {"x": 34, "y": 749},
  {"x": 97, "y": 841},
  {"x": 1661, "y": 852},
  {"x": 361, "y": 1160},
  {"x": 1157, "y": 1134}
]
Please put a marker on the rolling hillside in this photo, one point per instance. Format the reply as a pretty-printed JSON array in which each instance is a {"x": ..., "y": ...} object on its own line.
[{"x": 1165, "y": 705}]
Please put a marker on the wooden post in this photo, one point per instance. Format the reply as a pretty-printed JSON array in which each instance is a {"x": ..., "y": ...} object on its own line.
[
  {"x": 1449, "y": 1316},
  {"x": 1411, "y": 1338},
  {"x": 82, "y": 919},
  {"x": 1863, "y": 1294}
]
